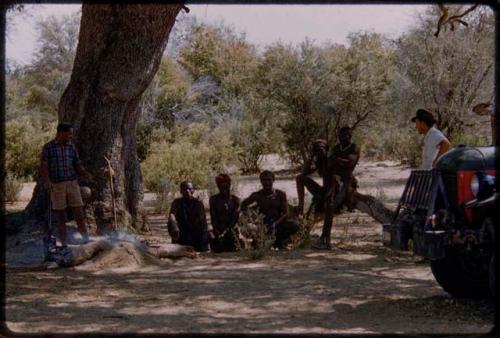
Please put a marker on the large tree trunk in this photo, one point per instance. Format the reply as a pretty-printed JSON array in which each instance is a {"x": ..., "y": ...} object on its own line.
[{"x": 119, "y": 51}]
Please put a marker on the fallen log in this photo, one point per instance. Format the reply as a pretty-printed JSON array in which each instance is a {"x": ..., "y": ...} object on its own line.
[
  {"x": 122, "y": 253},
  {"x": 373, "y": 207}
]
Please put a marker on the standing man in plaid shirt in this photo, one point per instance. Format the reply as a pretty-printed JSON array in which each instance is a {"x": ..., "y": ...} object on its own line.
[{"x": 60, "y": 166}]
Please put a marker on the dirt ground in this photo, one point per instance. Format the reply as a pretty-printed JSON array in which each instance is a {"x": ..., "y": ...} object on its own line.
[{"x": 358, "y": 287}]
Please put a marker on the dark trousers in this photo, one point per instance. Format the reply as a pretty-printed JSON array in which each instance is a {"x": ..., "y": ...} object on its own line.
[
  {"x": 284, "y": 231},
  {"x": 227, "y": 242}
]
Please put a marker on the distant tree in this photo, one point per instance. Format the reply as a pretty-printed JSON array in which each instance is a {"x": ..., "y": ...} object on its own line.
[
  {"x": 218, "y": 52},
  {"x": 38, "y": 86},
  {"x": 321, "y": 89},
  {"x": 449, "y": 74}
]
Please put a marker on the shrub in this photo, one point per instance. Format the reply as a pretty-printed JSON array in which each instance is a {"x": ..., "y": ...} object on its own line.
[
  {"x": 404, "y": 145},
  {"x": 12, "y": 188},
  {"x": 24, "y": 139},
  {"x": 164, "y": 196},
  {"x": 469, "y": 139},
  {"x": 251, "y": 224},
  {"x": 197, "y": 155}
]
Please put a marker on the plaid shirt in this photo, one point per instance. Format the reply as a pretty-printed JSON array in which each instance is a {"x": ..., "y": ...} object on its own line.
[{"x": 62, "y": 160}]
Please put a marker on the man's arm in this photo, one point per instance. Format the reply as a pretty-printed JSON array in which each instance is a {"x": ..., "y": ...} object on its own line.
[
  {"x": 443, "y": 147},
  {"x": 235, "y": 212},
  {"x": 172, "y": 225},
  {"x": 346, "y": 162},
  {"x": 84, "y": 173},
  {"x": 247, "y": 201}
]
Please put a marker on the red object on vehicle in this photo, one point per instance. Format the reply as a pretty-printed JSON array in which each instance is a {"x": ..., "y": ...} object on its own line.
[{"x": 464, "y": 192}]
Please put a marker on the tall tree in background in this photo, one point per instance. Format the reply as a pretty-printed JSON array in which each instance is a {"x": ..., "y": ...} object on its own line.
[
  {"x": 36, "y": 88},
  {"x": 449, "y": 74},
  {"x": 119, "y": 50}
]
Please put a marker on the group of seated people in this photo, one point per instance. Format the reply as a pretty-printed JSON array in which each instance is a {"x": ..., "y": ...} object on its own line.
[{"x": 187, "y": 223}]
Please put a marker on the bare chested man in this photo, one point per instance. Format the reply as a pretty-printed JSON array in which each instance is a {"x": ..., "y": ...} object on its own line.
[
  {"x": 224, "y": 213},
  {"x": 272, "y": 203},
  {"x": 187, "y": 223},
  {"x": 345, "y": 156}
]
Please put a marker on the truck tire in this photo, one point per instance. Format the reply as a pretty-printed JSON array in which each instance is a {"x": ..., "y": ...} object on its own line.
[{"x": 461, "y": 275}]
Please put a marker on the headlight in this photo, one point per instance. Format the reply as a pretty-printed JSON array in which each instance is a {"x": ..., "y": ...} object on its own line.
[
  {"x": 482, "y": 185},
  {"x": 474, "y": 185}
]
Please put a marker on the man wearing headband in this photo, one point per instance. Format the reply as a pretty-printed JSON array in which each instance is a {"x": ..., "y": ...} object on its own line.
[
  {"x": 187, "y": 224},
  {"x": 345, "y": 156},
  {"x": 224, "y": 213}
]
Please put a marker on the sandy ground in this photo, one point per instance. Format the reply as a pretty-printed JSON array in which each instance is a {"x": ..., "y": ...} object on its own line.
[{"x": 358, "y": 287}]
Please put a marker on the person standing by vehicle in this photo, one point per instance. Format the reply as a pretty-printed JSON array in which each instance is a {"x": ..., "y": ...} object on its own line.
[
  {"x": 59, "y": 169},
  {"x": 435, "y": 143}
]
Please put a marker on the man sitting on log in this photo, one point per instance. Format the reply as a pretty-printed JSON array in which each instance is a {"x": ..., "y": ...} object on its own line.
[
  {"x": 272, "y": 204},
  {"x": 341, "y": 185},
  {"x": 224, "y": 213},
  {"x": 187, "y": 223},
  {"x": 320, "y": 159}
]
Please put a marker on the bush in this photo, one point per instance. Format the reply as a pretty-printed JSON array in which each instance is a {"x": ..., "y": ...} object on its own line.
[
  {"x": 12, "y": 188},
  {"x": 24, "y": 139},
  {"x": 164, "y": 196},
  {"x": 404, "y": 145},
  {"x": 197, "y": 155},
  {"x": 475, "y": 140},
  {"x": 251, "y": 225}
]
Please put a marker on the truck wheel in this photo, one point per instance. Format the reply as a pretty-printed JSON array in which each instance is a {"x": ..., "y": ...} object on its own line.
[
  {"x": 461, "y": 276},
  {"x": 492, "y": 276}
]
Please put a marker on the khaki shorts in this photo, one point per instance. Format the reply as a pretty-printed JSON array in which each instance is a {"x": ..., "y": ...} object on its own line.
[{"x": 64, "y": 194}]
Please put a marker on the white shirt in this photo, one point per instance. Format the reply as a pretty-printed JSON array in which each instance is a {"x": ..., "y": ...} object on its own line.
[{"x": 431, "y": 146}]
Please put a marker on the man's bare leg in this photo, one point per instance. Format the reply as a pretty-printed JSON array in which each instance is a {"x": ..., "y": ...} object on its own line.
[
  {"x": 78, "y": 214},
  {"x": 305, "y": 182},
  {"x": 324, "y": 241},
  {"x": 61, "y": 220},
  {"x": 300, "y": 192}
]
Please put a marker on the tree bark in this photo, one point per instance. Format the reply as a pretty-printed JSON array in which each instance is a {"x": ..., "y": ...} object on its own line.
[{"x": 119, "y": 51}]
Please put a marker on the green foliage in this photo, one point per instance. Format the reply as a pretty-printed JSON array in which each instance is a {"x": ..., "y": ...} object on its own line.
[
  {"x": 197, "y": 154},
  {"x": 165, "y": 195},
  {"x": 24, "y": 139},
  {"x": 218, "y": 52},
  {"x": 166, "y": 94},
  {"x": 460, "y": 137},
  {"x": 11, "y": 188},
  {"x": 448, "y": 74},
  {"x": 321, "y": 89},
  {"x": 37, "y": 87},
  {"x": 404, "y": 145},
  {"x": 303, "y": 239},
  {"x": 251, "y": 224}
]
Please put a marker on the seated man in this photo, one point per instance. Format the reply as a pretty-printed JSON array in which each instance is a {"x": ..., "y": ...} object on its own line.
[
  {"x": 345, "y": 156},
  {"x": 272, "y": 204},
  {"x": 224, "y": 213},
  {"x": 187, "y": 224}
]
